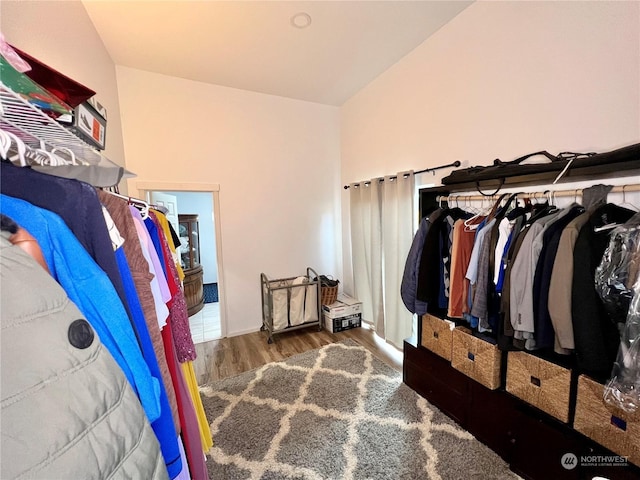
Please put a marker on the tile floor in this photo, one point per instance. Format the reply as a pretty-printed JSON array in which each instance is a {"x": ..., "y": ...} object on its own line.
[{"x": 205, "y": 325}]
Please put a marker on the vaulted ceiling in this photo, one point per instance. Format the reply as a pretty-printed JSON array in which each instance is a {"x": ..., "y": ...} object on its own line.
[{"x": 319, "y": 51}]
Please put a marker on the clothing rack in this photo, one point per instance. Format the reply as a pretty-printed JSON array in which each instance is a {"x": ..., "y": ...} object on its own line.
[
  {"x": 433, "y": 169},
  {"x": 554, "y": 193},
  {"x": 136, "y": 202}
]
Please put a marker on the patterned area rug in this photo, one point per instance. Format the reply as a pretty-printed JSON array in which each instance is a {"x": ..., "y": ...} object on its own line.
[{"x": 336, "y": 413}]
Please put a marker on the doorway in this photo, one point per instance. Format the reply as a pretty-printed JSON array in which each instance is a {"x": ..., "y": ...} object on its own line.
[{"x": 194, "y": 211}]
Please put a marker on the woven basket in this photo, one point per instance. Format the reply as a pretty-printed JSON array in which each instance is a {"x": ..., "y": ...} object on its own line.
[
  {"x": 611, "y": 428},
  {"x": 476, "y": 358},
  {"x": 328, "y": 295},
  {"x": 540, "y": 383},
  {"x": 436, "y": 336}
]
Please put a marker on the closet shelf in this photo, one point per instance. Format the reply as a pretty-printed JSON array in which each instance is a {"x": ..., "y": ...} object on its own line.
[{"x": 33, "y": 127}]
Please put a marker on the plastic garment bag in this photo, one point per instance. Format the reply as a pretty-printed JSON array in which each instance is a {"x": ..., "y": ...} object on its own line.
[{"x": 617, "y": 282}]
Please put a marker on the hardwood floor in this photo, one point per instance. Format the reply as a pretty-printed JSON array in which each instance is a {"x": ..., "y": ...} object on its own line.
[{"x": 233, "y": 355}]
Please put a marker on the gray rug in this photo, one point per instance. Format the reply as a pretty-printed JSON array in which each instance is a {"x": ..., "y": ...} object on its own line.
[{"x": 336, "y": 413}]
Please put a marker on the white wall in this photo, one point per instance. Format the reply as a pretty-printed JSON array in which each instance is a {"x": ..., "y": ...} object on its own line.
[
  {"x": 201, "y": 204},
  {"x": 277, "y": 162},
  {"x": 500, "y": 80},
  {"x": 61, "y": 35}
]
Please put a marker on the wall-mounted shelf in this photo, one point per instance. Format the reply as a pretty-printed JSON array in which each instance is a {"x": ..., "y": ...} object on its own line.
[{"x": 32, "y": 126}]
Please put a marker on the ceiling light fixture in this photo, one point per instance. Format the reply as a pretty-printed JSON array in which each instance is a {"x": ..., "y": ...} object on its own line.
[{"x": 301, "y": 20}]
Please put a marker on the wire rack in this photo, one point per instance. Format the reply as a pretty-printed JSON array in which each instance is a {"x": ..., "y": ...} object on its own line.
[{"x": 33, "y": 127}]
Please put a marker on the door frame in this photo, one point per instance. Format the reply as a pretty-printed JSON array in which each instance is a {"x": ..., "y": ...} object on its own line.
[{"x": 144, "y": 187}]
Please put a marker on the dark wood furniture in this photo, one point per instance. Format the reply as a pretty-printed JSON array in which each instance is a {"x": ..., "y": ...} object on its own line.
[
  {"x": 529, "y": 440},
  {"x": 190, "y": 260}
]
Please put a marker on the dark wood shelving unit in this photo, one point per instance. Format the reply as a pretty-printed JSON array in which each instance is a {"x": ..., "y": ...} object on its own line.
[{"x": 190, "y": 259}]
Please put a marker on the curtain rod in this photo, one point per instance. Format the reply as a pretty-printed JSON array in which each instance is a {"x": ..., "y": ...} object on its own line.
[
  {"x": 555, "y": 193},
  {"x": 433, "y": 169}
]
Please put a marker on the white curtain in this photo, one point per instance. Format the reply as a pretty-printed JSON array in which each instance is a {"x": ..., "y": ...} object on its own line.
[
  {"x": 381, "y": 235},
  {"x": 366, "y": 248}
]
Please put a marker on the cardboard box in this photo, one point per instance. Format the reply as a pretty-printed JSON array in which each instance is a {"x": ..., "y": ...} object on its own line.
[
  {"x": 98, "y": 107},
  {"x": 341, "y": 324},
  {"x": 343, "y": 307},
  {"x": 88, "y": 124}
]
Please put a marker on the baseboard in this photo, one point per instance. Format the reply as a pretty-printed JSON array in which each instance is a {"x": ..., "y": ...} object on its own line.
[{"x": 243, "y": 332}]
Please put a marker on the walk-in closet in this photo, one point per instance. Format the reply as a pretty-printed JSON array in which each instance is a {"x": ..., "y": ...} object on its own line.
[{"x": 320, "y": 240}]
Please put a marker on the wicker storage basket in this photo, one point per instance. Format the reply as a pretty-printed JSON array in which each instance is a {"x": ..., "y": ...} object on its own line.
[
  {"x": 436, "y": 336},
  {"x": 328, "y": 295},
  {"x": 476, "y": 358},
  {"x": 611, "y": 428},
  {"x": 540, "y": 383}
]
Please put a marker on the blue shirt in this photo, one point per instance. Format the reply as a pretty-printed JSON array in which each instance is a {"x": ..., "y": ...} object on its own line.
[{"x": 163, "y": 427}]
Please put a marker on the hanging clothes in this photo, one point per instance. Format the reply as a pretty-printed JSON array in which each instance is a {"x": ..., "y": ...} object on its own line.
[
  {"x": 521, "y": 295},
  {"x": 191, "y": 428},
  {"x": 163, "y": 426},
  {"x": 76, "y": 203},
  {"x": 618, "y": 285},
  {"x": 186, "y": 411},
  {"x": 151, "y": 343},
  {"x": 618, "y": 270},
  {"x": 472, "y": 275},
  {"x": 506, "y": 332},
  {"x": 90, "y": 289},
  {"x": 178, "y": 312},
  {"x": 74, "y": 392},
  {"x": 434, "y": 273},
  {"x": 544, "y": 333},
  {"x": 461, "y": 248},
  {"x": 596, "y": 337},
  {"x": 185, "y": 348},
  {"x": 164, "y": 224},
  {"x": 409, "y": 284},
  {"x": 159, "y": 286},
  {"x": 428, "y": 271},
  {"x": 560, "y": 285},
  {"x": 143, "y": 280}
]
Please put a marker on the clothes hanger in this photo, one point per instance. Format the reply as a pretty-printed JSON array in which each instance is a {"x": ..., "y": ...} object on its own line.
[
  {"x": 18, "y": 152},
  {"x": 625, "y": 202},
  {"x": 479, "y": 212},
  {"x": 5, "y": 143},
  {"x": 136, "y": 202},
  {"x": 74, "y": 160},
  {"x": 494, "y": 208},
  {"x": 47, "y": 158}
]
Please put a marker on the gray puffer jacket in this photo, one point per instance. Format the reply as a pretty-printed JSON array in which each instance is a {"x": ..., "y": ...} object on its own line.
[{"x": 67, "y": 409}]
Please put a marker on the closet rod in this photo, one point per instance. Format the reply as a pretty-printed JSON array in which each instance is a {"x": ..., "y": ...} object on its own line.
[
  {"x": 432, "y": 169},
  {"x": 554, "y": 193}
]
